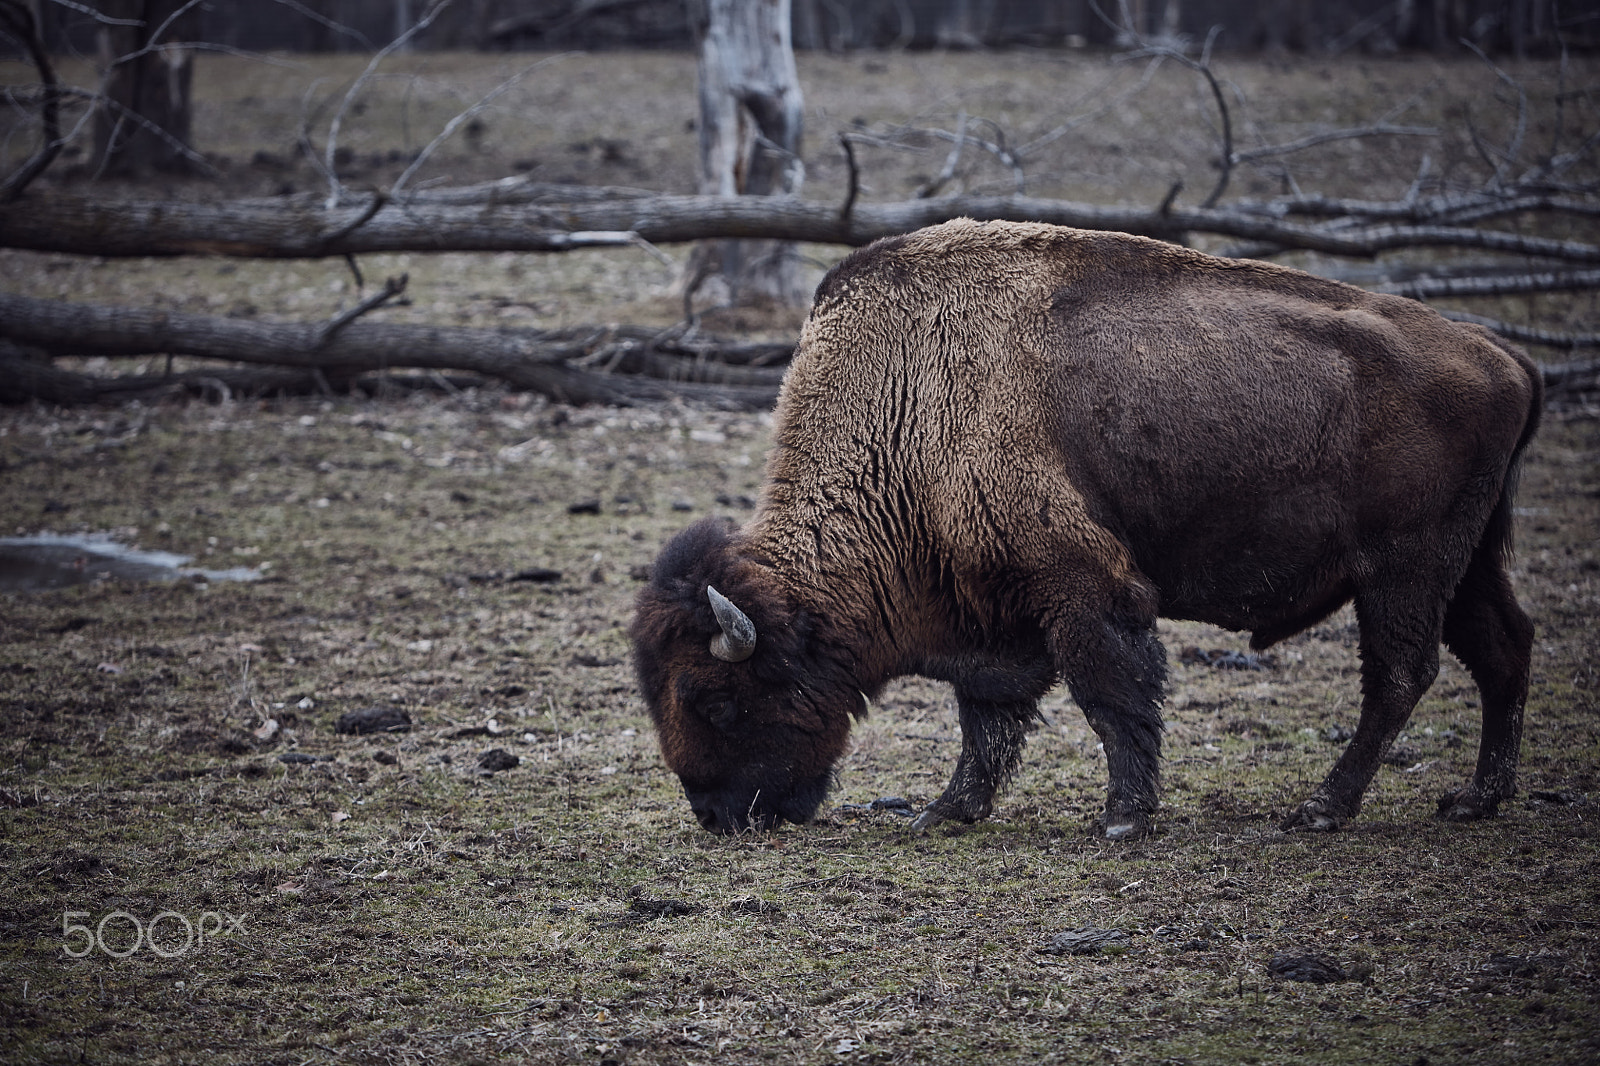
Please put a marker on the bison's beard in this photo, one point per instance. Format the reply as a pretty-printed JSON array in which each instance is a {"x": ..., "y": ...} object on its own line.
[{"x": 734, "y": 809}]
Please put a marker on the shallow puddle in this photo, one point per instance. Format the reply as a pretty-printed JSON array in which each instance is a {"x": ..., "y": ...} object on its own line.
[{"x": 33, "y": 564}]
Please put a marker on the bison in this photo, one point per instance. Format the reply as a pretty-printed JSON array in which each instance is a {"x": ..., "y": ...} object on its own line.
[{"x": 1004, "y": 450}]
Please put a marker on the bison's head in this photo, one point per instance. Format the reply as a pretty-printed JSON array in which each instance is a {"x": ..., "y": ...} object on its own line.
[{"x": 751, "y": 708}]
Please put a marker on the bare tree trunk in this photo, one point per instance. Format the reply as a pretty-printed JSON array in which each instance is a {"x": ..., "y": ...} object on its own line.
[
  {"x": 960, "y": 25},
  {"x": 143, "y": 119},
  {"x": 402, "y": 22},
  {"x": 750, "y": 123},
  {"x": 585, "y": 365}
]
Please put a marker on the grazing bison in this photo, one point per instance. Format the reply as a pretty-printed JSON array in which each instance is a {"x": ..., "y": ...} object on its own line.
[{"x": 1004, "y": 450}]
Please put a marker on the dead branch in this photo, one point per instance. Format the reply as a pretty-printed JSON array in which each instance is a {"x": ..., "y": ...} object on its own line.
[
  {"x": 23, "y": 379},
  {"x": 1512, "y": 152},
  {"x": 1202, "y": 66},
  {"x": 855, "y": 176},
  {"x": 335, "y": 188},
  {"x": 1572, "y": 375},
  {"x": 548, "y": 362},
  {"x": 1531, "y": 335},
  {"x": 392, "y": 287},
  {"x": 190, "y": 156},
  {"x": 462, "y": 117},
  {"x": 1494, "y": 285},
  {"x": 1270, "y": 151},
  {"x": 943, "y": 178},
  {"x": 300, "y": 228},
  {"x": 323, "y": 20},
  {"x": 17, "y": 19}
]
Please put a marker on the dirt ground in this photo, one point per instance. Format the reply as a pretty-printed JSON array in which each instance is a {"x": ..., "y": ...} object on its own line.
[{"x": 194, "y": 864}]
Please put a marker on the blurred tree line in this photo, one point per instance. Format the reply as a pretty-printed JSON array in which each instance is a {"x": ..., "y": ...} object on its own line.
[{"x": 1517, "y": 27}]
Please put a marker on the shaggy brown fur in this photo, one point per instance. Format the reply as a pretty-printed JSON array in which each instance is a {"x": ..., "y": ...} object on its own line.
[{"x": 1003, "y": 450}]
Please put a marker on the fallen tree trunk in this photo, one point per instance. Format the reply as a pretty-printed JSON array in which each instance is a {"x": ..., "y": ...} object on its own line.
[
  {"x": 559, "y": 364},
  {"x": 300, "y": 227},
  {"x": 626, "y": 365}
]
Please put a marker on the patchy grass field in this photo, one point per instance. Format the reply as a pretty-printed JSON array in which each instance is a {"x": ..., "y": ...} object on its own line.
[
  {"x": 396, "y": 902},
  {"x": 385, "y": 898}
]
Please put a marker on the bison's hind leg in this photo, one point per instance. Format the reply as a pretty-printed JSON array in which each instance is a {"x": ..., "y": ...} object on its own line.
[
  {"x": 1491, "y": 635},
  {"x": 1400, "y": 623}
]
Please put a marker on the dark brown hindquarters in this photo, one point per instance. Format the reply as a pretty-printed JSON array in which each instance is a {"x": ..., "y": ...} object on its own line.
[{"x": 1489, "y": 632}]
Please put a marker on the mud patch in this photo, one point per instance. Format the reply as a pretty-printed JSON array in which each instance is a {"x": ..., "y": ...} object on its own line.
[{"x": 43, "y": 562}]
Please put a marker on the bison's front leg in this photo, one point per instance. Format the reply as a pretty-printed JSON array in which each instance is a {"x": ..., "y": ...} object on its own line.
[
  {"x": 992, "y": 738},
  {"x": 1116, "y": 670}
]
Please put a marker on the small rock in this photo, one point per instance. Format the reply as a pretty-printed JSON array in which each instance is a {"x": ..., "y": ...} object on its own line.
[
  {"x": 752, "y": 905},
  {"x": 592, "y": 661},
  {"x": 1086, "y": 941},
  {"x": 584, "y": 507},
  {"x": 1337, "y": 734},
  {"x": 387, "y": 758},
  {"x": 540, "y": 575},
  {"x": 496, "y": 759},
  {"x": 375, "y": 719},
  {"x": 1402, "y": 756},
  {"x": 1512, "y": 965},
  {"x": 662, "y": 908},
  {"x": 296, "y": 758},
  {"x": 1313, "y": 968},
  {"x": 1224, "y": 659},
  {"x": 268, "y": 730}
]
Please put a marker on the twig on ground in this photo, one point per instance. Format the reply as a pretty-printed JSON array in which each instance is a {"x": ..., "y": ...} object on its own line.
[{"x": 392, "y": 287}]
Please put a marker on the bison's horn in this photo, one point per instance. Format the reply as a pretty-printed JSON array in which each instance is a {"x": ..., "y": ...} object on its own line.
[{"x": 737, "y": 641}]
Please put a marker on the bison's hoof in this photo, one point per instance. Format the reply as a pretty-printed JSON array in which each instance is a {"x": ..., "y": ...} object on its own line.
[
  {"x": 1126, "y": 827},
  {"x": 1312, "y": 817},
  {"x": 1467, "y": 806}
]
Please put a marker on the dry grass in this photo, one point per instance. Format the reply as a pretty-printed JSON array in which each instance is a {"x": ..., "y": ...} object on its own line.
[{"x": 519, "y": 914}]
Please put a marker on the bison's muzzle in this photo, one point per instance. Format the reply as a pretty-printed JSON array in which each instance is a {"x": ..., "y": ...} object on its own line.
[{"x": 741, "y": 807}]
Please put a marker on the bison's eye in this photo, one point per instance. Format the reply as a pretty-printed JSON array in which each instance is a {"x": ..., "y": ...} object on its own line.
[{"x": 724, "y": 714}]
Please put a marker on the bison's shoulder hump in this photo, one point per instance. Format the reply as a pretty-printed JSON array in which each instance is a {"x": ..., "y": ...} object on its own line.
[{"x": 951, "y": 249}]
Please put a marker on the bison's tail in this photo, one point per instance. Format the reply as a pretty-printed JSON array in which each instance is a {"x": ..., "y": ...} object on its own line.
[{"x": 1497, "y": 535}]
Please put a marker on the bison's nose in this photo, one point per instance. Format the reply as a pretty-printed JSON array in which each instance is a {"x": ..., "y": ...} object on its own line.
[{"x": 712, "y": 815}]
